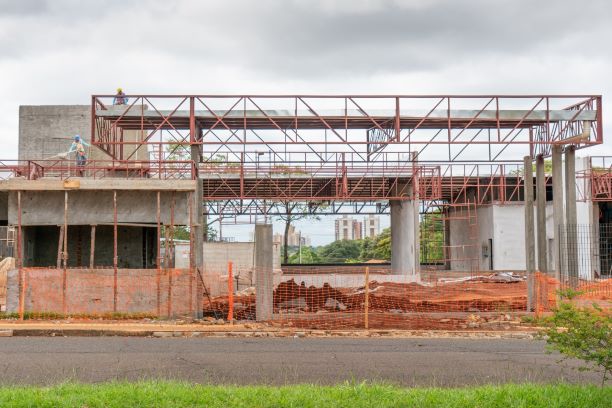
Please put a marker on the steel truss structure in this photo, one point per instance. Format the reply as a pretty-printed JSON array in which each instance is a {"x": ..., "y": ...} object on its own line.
[
  {"x": 597, "y": 178},
  {"x": 448, "y": 185},
  {"x": 339, "y": 153},
  {"x": 477, "y": 127}
]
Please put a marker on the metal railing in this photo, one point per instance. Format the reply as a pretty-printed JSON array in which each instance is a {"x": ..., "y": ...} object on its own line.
[{"x": 97, "y": 169}]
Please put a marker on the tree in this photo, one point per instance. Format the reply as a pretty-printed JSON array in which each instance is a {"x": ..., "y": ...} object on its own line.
[
  {"x": 583, "y": 333},
  {"x": 367, "y": 250},
  {"x": 340, "y": 251},
  {"x": 547, "y": 169},
  {"x": 432, "y": 237},
  {"x": 382, "y": 246},
  {"x": 181, "y": 232},
  {"x": 293, "y": 212},
  {"x": 177, "y": 152},
  {"x": 308, "y": 256}
]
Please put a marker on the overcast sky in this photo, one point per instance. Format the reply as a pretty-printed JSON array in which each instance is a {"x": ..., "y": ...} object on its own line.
[{"x": 62, "y": 51}]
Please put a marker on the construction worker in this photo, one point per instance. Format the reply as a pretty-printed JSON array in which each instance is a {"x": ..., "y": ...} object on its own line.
[
  {"x": 120, "y": 98},
  {"x": 78, "y": 146}
]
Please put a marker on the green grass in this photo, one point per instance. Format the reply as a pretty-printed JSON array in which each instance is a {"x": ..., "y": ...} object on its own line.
[{"x": 174, "y": 394}]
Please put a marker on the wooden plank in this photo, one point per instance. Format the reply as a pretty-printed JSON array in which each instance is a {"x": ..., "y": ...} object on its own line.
[
  {"x": 60, "y": 247},
  {"x": 92, "y": 247}
]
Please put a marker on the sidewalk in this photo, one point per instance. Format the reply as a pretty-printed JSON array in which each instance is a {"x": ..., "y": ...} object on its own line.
[{"x": 155, "y": 329}]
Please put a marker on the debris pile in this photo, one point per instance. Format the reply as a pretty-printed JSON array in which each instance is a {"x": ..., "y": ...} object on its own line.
[{"x": 391, "y": 301}]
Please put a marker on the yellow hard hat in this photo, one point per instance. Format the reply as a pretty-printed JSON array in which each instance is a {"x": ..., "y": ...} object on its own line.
[{"x": 119, "y": 89}]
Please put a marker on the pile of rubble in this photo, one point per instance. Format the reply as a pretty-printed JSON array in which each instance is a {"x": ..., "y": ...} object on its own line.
[{"x": 491, "y": 293}]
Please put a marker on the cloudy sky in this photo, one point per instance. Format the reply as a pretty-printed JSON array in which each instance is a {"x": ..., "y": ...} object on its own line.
[{"x": 62, "y": 51}]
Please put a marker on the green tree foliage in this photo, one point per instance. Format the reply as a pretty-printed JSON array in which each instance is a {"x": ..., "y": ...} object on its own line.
[
  {"x": 309, "y": 255},
  {"x": 547, "y": 169},
  {"x": 383, "y": 245},
  {"x": 432, "y": 237},
  {"x": 367, "y": 250},
  {"x": 379, "y": 247},
  {"x": 181, "y": 232},
  {"x": 293, "y": 212},
  {"x": 346, "y": 251},
  {"x": 583, "y": 333},
  {"x": 340, "y": 251}
]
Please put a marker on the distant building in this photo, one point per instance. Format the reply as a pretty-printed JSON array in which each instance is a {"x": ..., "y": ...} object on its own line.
[
  {"x": 294, "y": 237},
  {"x": 371, "y": 226},
  {"x": 348, "y": 228}
]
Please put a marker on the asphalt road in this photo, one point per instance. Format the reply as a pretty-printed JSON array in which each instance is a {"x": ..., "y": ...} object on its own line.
[{"x": 410, "y": 362}]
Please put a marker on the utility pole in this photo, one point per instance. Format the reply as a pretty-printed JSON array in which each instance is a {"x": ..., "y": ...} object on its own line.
[{"x": 300, "y": 248}]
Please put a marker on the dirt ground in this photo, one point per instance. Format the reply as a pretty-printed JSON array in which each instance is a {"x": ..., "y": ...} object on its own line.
[{"x": 464, "y": 305}]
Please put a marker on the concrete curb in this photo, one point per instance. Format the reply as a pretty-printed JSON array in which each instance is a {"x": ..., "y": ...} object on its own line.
[{"x": 157, "y": 333}]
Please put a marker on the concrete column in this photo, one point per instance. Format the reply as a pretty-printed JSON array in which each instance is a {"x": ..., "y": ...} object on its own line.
[
  {"x": 199, "y": 231},
  {"x": 264, "y": 277},
  {"x": 558, "y": 215},
  {"x": 405, "y": 236},
  {"x": 541, "y": 214},
  {"x": 571, "y": 231},
  {"x": 529, "y": 231}
]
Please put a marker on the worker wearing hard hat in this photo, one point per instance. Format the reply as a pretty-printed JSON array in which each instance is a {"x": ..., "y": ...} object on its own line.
[
  {"x": 78, "y": 146},
  {"x": 120, "y": 98}
]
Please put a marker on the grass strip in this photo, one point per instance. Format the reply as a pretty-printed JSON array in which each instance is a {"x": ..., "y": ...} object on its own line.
[{"x": 179, "y": 394}]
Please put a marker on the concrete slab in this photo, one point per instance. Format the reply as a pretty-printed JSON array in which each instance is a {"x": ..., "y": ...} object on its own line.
[{"x": 56, "y": 184}]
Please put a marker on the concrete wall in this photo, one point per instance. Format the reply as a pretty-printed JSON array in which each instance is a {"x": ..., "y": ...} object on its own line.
[
  {"x": 343, "y": 280},
  {"x": 347, "y": 269},
  {"x": 242, "y": 255},
  {"x": 587, "y": 214},
  {"x": 468, "y": 232},
  {"x": 90, "y": 291},
  {"x": 505, "y": 225},
  {"x": 96, "y": 207},
  {"x": 45, "y": 131}
]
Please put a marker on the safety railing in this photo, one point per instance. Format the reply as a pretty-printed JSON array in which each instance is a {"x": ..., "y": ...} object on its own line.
[{"x": 97, "y": 169}]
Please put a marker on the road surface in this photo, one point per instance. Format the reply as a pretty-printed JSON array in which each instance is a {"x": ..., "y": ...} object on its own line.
[{"x": 409, "y": 362}]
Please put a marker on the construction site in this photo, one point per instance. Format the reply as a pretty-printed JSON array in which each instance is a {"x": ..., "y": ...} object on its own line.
[{"x": 517, "y": 213}]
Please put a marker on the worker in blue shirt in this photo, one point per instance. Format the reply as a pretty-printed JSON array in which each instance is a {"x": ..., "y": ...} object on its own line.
[{"x": 78, "y": 146}]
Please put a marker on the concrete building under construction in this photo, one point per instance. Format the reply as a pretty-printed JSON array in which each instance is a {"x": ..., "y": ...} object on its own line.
[{"x": 97, "y": 237}]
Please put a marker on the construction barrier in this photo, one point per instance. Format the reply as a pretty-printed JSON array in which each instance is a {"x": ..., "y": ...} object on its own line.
[
  {"x": 101, "y": 292},
  {"x": 334, "y": 298},
  {"x": 337, "y": 300},
  {"x": 549, "y": 291}
]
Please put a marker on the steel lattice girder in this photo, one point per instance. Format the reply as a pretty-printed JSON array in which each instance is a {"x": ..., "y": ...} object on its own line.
[{"x": 420, "y": 123}]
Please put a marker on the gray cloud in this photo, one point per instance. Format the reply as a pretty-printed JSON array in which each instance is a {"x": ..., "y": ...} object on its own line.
[
  {"x": 298, "y": 39},
  {"x": 23, "y": 8},
  {"x": 62, "y": 51}
]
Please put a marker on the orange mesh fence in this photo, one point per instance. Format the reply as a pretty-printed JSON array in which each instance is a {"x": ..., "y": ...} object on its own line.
[
  {"x": 330, "y": 298},
  {"x": 549, "y": 289},
  {"x": 337, "y": 299},
  {"x": 99, "y": 292}
]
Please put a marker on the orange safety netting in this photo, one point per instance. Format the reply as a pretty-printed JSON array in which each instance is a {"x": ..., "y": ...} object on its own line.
[
  {"x": 338, "y": 300},
  {"x": 548, "y": 291},
  {"x": 101, "y": 292}
]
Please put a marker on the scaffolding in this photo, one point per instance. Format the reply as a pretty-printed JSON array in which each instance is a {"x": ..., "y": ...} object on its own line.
[{"x": 333, "y": 154}]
